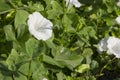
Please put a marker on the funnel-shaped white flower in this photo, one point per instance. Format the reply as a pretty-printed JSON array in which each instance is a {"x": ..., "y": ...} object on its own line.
[
  {"x": 39, "y": 27},
  {"x": 102, "y": 45},
  {"x": 118, "y": 19},
  {"x": 70, "y": 3},
  {"x": 44, "y": 79},
  {"x": 111, "y": 45},
  {"x": 118, "y": 3},
  {"x": 114, "y": 46}
]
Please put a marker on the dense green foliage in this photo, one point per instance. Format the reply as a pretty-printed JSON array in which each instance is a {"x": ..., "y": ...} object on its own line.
[{"x": 71, "y": 53}]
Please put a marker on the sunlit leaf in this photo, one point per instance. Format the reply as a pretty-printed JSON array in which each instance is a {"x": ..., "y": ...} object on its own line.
[
  {"x": 87, "y": 53},
  {"x": 68, "y": 59},
  {"x": 3, "y": 77},
  {"x": 60, "y": 76},
  {"x": 32, "y": 47},
  {"x": 20, "y": 77},
  {"x": 56, "y": 10},
  {"x": 36, "y": 6},
  {"x": 94, "y": 64},
  {"x": 21, "y": 30},
  {"x": 20, "y": 18},
  {"x": 82, "y": 68},
  {"x": 5, "y": 74},
  {"x": 67, "y": 22},
  {"x": 11, "y": 60},
  {"x": 50, "y": 60},
  {"x": 4, "y": 6},
  {"x": 10, "y": 35},
  {"x": 38, "y": 70}
]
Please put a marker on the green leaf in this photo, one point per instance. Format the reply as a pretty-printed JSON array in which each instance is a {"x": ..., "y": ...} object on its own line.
[
  {"x": 5, "y": 74},
  {"x": 20, "y": 46},
  {"x": 70, "y": 10},
  {"x": 9, "y": 33},
  {"x": 117, "y": 79},
  {"x": 53, "y": 15},
  {"x": 11, "y": 60},
  {"x": 68, "y": 59},
  {"x": 69, "y": 78},
  {"x": 50, "y": 44},
  {"x": 3, "y": 77},
  {"x": 60, "y": 76},
  {"x": 24, "y": 68},
  {"x": 20, "y": 18},
  {"x": 82, "y": 68},
  {"x": 52, "y": 61},
  {"x": 110, "y": 21},
  {"x": 56, "y": 10},
  {"x": 38, "y": 70},
  {"x": 21, "y": 30},
  {"x": 92, "y": 78},
  {"x": 32, "y": 47},
  {"x": 18, "y": 64},
  {"x": 87, "y": 53},
  {"x": 10, "y": 15},
  {"x": 16, "y": 60},
  {"x": 48, "y": 4},
  {"x": 78, "y": 78},
  {"x": 80, "y": 43},
  {"x": 67, "y": 22},
  {"x": 87, "y": 32},
  {"x": 36, "y": 6},
  {"x": 57, "y": 7},
  {"x": 4, "y": 6},
  {"x": 110, "y": 5},
  {"x": 20, "y": 77},
  {"x": 94, "y": 64},
  {"x": 57, "y": 50}
]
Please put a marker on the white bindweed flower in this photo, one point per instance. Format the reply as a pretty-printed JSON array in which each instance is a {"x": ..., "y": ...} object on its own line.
[
  {"x": 118, "y": 3},
  {"x": 39, "y": 27},
  {"x": 114, "y": 46},
  {"x": 102, "y": 45},
  {"x": 118, "y": 19},
  {"x": 111, "y": 45},
  {"x": 70, "y": 3},
  {"x": 44, "y": 79}
]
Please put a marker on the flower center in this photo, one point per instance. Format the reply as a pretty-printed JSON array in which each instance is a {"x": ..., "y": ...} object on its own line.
[{"x": 42, "y": 26}]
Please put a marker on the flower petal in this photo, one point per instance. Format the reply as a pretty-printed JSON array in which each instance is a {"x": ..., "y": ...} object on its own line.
[
  {"x": 114, "y": 46},
  {"x": 76, "y": 3},
  {"x": 118, "y": 19},
  {"x": 118, "y": 3},
  {"x": 102, "y": 45},
  {"x": 44, "y": 79},
  {"x": 70, "y": 3},
  {"x": 39, "y": 27}
]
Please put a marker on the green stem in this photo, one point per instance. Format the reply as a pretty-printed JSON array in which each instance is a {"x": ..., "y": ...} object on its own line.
[
  {"x": 106, "y": 66},
  {"x": 3, "y": 12},
  {"x": 29, "y": 72}
]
